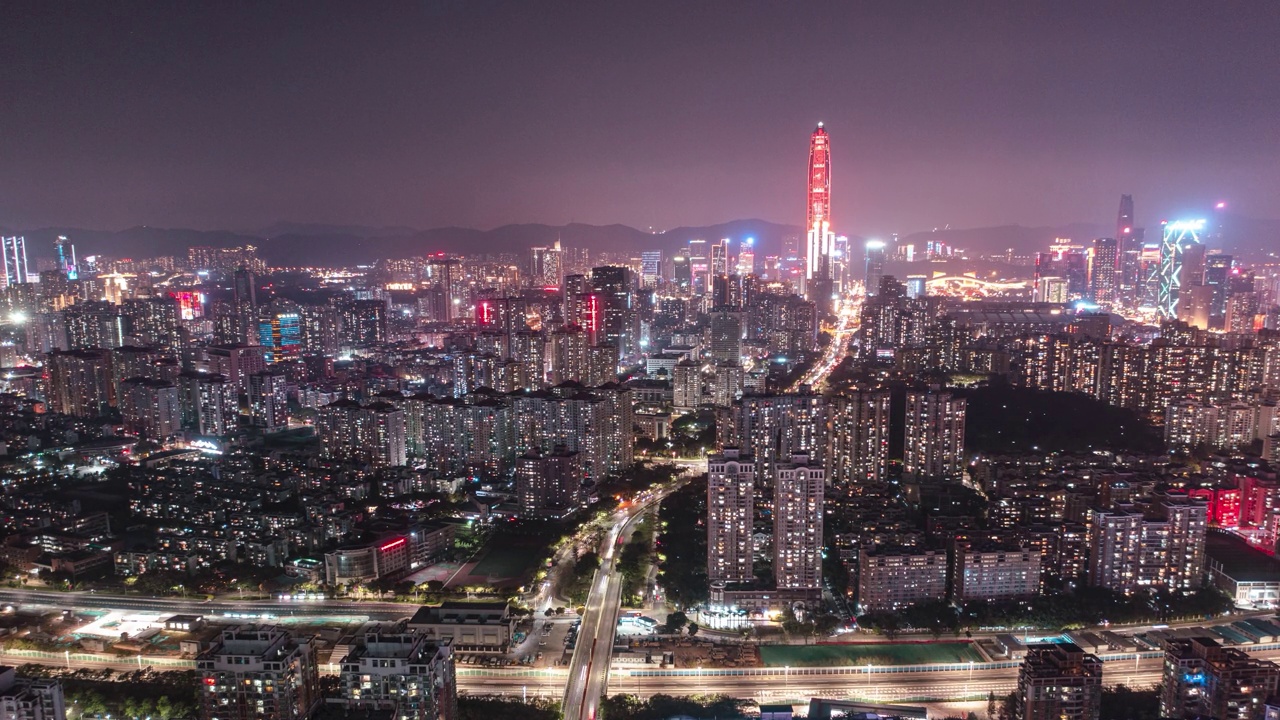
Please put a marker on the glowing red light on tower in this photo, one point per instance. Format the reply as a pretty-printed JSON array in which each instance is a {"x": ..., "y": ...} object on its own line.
[
  {"x": 593, "y": 313},
  {"x": 819, "y": 178},
  {"x": 486, "y": 313}
]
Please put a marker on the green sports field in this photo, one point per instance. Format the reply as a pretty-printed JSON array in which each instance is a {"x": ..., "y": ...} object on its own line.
[{"x": 870, "y": 653}]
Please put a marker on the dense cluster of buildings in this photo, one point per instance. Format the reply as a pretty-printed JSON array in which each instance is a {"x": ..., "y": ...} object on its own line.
[
  {"x": 1199, "y": 678},
  {"x": 267, "y": 672}
]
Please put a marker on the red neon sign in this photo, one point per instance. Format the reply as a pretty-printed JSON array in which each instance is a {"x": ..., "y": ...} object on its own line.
[
  {"x": 392, "y": 545},
  {"x": 593, "y": 308}
]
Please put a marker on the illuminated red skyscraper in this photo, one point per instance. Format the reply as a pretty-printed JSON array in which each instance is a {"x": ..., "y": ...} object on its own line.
[
  {"x": 819, "y": 178},
  {"x": 818, "y": 223},
  {"x": 818, "y": 280}
]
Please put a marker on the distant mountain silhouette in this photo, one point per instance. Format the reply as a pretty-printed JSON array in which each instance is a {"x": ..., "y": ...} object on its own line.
[{"x": 291, "y": 244}]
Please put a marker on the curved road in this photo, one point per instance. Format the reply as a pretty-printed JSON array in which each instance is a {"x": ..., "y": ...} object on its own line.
[{"x": 589, "y": 666}]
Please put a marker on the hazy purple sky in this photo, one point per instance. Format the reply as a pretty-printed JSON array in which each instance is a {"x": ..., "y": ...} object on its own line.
[{"x": 480, "y": 113}]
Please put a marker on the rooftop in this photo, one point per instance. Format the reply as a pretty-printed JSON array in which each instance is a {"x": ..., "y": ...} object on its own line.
[{"x": 1239, "y": 560}]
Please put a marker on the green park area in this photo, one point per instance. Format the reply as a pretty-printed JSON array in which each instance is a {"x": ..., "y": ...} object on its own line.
[
  {"x": 505, "y": 559},
  {"x": 867, "y": 654}
]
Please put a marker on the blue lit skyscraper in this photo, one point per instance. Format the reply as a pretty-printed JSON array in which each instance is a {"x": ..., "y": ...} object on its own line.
[
  {"x": 875, "y": 265},
  {"x": 66, "y": 258},
  {"x": 1180, "y": 251}
]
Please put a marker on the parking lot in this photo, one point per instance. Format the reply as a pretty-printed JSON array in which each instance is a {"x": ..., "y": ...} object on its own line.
[{"x": 546, "y": 645}]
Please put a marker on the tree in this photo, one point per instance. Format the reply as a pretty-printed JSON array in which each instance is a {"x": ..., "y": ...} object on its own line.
[
  {"x": 693, "y": 629},
  {"x": 676, "y": 621}
]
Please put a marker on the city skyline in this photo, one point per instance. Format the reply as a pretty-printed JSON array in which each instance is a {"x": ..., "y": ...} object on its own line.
[
  {"x": 1009, "y": 379},
  {"x": 385, "y": 117}
]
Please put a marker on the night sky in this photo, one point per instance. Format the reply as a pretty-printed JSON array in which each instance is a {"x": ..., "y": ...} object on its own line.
[{"x": 477, "y": 113}]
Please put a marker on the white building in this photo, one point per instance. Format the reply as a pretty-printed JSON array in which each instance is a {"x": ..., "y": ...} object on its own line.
[{"x": 23, "y": 698}]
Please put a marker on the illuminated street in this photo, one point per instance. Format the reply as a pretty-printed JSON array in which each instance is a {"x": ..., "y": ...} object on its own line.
[{"x": 847, "y": 324}]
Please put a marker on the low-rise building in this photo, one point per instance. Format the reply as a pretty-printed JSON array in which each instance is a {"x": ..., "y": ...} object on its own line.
[
  {"x": 892, "y": 580},
  {"x": 1247, "y": 575},
  {"x": 995, "y": 573},
  {"x": 470, "y": 627}
]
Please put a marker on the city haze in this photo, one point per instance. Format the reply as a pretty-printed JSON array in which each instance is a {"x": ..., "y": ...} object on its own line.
[{"x": 481, "y": 114}]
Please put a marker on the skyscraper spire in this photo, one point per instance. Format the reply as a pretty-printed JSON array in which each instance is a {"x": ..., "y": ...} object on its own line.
[
  {"x": 818, "y": 222},
  {"x": 819, "y": 191},
  {"x": 821, "y": 239}
]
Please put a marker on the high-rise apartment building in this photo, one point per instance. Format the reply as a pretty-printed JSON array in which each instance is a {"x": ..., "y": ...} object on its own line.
[
  {"x": 269, "y": 400},
  {"x": 774, "y": 428},
  {"x": 236, "y": 362},
  {"x": 726, "y": 337},
  {"x": 151, "y": 408},
  {"x": 859, "y": 438},
  {"x": 549, "y": 484},
  {"x": 80, "y": 382},
  {"x": 1129, "y": 551},
  {"x": 596, "y": 423},
  {"x": 935, "y": 423},
  {"x": 1203, "y": 679},
  {"x": 210, "y": 404},
  {"x": 1102, "y": 270},
  {"x": 686, "y": 385},
  {"x": 726, "y": 383},
  {"x": 94, "y": 325},
  {"x": 258, "y": 672},
  {"x": 797, "y": 523},
  {"x": 570, "y": 355},
  {"x": 731, "y": 488},
  {"x": 374, "y": 433},
  {"x": 1059, "y": 681},
  {"x": 408, "y": 673}
]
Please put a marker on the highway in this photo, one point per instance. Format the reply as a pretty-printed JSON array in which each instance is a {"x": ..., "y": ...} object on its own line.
[
  {"x": 779, "y": 685},
  {"x": 847, "y": 323},
  {"x": 589, "y": 667},
  {"x": 247, "y": 609}
]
